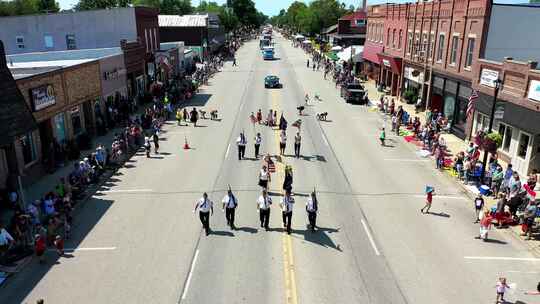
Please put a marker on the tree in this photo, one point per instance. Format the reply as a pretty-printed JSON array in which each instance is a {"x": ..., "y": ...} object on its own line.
[
  {"x": 172, "y": 7},
  {"x": 245, "y": 11},
  {"x": 48, "y": 6},
  {"x": 84, "y": 5}
]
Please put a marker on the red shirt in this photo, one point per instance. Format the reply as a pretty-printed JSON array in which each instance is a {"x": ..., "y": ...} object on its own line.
[{"x": 40, "y": 244}]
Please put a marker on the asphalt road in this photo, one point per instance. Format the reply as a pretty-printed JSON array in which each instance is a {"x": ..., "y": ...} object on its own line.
[{"x": 138, "y": 241}]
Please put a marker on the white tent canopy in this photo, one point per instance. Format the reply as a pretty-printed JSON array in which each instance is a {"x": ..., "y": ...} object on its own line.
[
  {"x": 336, "y": 48},
  {"x": 306, "y": 42},
  {"x": 353, "y": 52},
  {"x": 298, "y": 36}
]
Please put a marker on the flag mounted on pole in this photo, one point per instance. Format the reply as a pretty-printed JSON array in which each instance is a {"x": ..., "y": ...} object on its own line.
[
  {"x": 470, "y": 105},
  {"x": 297, "y": 123}
]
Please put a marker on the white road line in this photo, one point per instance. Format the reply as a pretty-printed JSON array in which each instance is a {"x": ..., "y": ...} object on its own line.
[
  {"x": 502, "y": 258},
  {"x": 406, "y": 160},
  {"x": 186, "y": 288},
  {"x": 86, "y": 249},
  {"x": 125, "y": 190},
  {"x": 325, "y": 140},
  {"x": 523, "y": 272},
  {"x": 370, "y": 238},
  {"x": 242, "y": 105},
  {"x": 227, "y": 152}
]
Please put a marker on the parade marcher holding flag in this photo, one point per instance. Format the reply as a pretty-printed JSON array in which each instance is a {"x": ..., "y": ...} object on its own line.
[
  {"x": 312, "y": 206},
  {"x": 229, "y": 207}
]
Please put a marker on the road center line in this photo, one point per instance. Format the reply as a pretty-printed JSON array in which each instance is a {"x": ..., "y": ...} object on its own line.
[
  {"x": 186, "y": 288},
  {"x": 501, "y": 258},
  {"x": 370, "y": 238},
  {"x": 125, "y": 191}
]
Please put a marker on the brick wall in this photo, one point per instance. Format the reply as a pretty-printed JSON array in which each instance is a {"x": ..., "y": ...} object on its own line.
[{"x": 53, "y": 78}]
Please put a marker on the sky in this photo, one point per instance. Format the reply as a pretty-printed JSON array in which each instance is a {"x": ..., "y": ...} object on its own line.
[{"x": 272, "y": 7}]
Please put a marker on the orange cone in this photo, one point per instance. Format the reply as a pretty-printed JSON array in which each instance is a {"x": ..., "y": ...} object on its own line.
[{"x": 186, "y": 145}]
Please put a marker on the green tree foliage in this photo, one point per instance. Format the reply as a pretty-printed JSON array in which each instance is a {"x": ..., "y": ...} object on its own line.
[
  {"x": 245, "y": 11},
  {"x": 311, "y": 19},
  {"x": 27, "y": 7},
  {"x": 84, "y": 5}
]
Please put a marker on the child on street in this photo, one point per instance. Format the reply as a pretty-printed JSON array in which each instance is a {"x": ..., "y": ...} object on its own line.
[
  {"x": 430, "y": 191},
  {"x": 501, "y": 289}
]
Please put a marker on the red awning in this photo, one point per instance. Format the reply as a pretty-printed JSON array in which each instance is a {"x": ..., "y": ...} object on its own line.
[
  {"x": 394, "y": 63},
  {"x": 371, "y": 50}
]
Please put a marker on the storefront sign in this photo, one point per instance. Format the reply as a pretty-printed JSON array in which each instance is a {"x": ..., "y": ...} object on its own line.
[
  {"x": 534, "y": 90},
  {"x": 488, "y": 77},
  {"x": 386, "y": 62},
  {"x": 42, "y": 97},
  {"x": 413, "y": 74},
  {"x": 115, "y": 74},
  {"x": 499, "y": 111}
]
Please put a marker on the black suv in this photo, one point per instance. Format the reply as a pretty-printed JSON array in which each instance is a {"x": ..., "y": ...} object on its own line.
[{"x": 353, "y": 93}]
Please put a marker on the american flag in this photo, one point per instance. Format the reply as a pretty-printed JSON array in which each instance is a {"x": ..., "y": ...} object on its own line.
[{"x": 470, "y": 105}]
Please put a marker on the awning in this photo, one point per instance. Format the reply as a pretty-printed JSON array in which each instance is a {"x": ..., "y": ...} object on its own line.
[
  {"x": 298, "y": 36},
  {"x": 514, "y": 115},
  {"x": 336, "y": 48},
  {"x": 306, "y": 42},
  {"x": 356, "y": 55},
  {"x": 391, "y": 62},
  {"x": 332, "y": 56},
  {"x": 370, "y": 52}
]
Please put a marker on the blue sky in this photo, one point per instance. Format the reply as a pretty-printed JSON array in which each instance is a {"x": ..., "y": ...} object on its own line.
[{"x": 272, "y": 7}]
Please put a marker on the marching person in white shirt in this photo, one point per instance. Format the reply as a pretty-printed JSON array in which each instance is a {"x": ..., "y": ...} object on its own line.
[
  {"x": 312, "y": 206},
  {"x": 229, "y": 206},
  {"x": 264, "y": 177},
  {"x": 206, "y": 208},
  {"x": 287, "y": 203},
  {"x": 263, "y": 206},
  {"x": 241, "y": 142},
  {"x": 258, "y": 140}
]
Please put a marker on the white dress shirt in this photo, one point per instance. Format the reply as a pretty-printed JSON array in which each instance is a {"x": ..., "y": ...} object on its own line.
[
  {"x": 310, "y": 206},
  {"x": 287, "y": 204},
  {"x": 258, "y": 140},
  {"x": 5, "y": 237},
  {"x": 264, "y": 175},
  {"x": 230, "y": 201},
  {"x": 204, "y": 205},
  {"x": 264, "y": 204}
]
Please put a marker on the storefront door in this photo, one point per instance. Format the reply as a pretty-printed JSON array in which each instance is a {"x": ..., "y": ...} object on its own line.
[
  {"x": 60, "y": 128},
  {"x": 523, "y": 153},
  {"x": 46, "y": 137}
]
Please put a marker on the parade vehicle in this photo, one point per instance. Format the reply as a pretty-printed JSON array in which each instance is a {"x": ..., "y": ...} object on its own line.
[
  {"x": 272, "y": 81},
  {"x": 353, "y": 93},
  {"x": 268, "y": 53},
  {"x": 264, "y": 43}
]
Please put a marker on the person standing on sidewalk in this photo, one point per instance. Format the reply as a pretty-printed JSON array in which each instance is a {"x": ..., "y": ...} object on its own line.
[
  {"x": 257, "y": 141},
  {"x": 229, "y": 207},
  {"x": 287, "y": 203},
  {"x": 263, "y": 207},
  {"x": 429, "y": 199},
  {"x": 241, "y": 142},
  {"x": 206, "y": 209},
  {"x": 297, "y": 142},
  {"x": 478, "y": 207}
]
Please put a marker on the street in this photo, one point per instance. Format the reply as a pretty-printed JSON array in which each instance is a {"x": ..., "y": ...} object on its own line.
[{"x": 137, "y": 240}]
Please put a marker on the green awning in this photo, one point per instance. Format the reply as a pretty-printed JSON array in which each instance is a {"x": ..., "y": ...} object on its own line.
[{"x": 332, "y": 56}]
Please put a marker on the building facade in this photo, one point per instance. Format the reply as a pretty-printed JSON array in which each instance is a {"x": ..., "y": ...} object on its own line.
[
  {"x": 70, "y": 30},
  {"x": 374, "y": 42}
]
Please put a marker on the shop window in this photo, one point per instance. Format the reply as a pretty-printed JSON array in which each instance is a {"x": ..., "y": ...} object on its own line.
[
  {"x": 20, "y": 42},
  {"x": 431, "y": 45},
  {"x": 424, "y": 43},
  {"x": 470, "y": 50},
  {"x": 523, "y": 145},
  {"x": 440, "y": 49},
  {"x": 416, "y": 43},
  {"x": 409, "y": 43},
  {"x": 506, "y": 132},
  {"x": 453, "y": 52},
  {"x": 76, "y": 121},
  {"x": 28, "y": 147},
  {"x": 482, "y": 122},
  {"x": 49, "y": 41},
  {"x": 388, "y": 37},
  {"x": 70, "y": 42},
  {"x": 400, "y": 38},
  {"x": 394, "y": 38}
]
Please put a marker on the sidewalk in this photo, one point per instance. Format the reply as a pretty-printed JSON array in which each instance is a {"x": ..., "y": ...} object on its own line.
[{"x": 454, "y": 145}]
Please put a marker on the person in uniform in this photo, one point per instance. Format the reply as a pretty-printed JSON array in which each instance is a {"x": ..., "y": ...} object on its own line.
[
  {"x": 297, "y": 142},
  {"x": 282, "y": 142},
  {"x": 264, "y": 177},
  {"x": 206, "y": 208},
  {"x": 286, "y": 205},
  {"x": 241, "y": 142},
  {"x": 312, "y": 206},
  {"x": 263, "y": 206},
  {"x": 229, "y": 206},
  {"x": 258, "y": 140},
  {"x": 288, "y": 180}
]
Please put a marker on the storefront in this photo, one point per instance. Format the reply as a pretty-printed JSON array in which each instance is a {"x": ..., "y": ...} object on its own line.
[
  {"x": 135, "y": 62},
  {"x": 371, "y": 67},
  {"x": 451, "y": 97},
  {"x": 413, "y": 87},
  {"x": 390, "y": 74}
]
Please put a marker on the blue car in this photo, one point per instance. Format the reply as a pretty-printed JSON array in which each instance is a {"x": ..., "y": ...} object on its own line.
[{"x": 272, "y": 81}]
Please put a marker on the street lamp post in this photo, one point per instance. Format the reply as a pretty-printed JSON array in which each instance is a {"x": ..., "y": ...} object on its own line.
[{"x": 497, "y": 82}]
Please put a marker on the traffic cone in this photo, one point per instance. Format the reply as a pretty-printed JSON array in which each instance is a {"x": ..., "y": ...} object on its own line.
[{"x": 186, "y": 145}]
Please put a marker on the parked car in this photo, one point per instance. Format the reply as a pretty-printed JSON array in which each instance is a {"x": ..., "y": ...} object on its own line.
[
  {"x": 272, "y": 81},
  {"x": 353, "y": 93}
]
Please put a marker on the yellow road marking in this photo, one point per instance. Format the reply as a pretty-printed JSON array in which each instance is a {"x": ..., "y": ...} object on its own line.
[{"x": 291, "y": 297}]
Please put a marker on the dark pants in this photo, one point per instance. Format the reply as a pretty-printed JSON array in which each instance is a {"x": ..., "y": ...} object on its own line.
[
  {"x": 312, "y": 217},
  {"x": 264, "y": 216},
  {"x": 257, "y": 150},
  {"x": 297, "y": 150},
  {"x": 241, "y": 152},
  {"x": 287, "y": 218},
  {"x": 229, "y": 215},
  {"x": 205, "y": 220}
]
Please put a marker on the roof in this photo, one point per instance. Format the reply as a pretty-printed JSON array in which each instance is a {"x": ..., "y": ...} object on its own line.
[
  {"x": 332, "y": 28},
  {"x": 15, "y": 116},
  {"x": 354, "y": 16},
  {"x": 31, "y": 68},
  {"x": 182, "y": 21}
]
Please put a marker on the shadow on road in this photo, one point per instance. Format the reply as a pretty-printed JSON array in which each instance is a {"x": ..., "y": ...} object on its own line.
[
  {"x": 198, "y": 100},
  {"x": 22, "y": 284},
  {"x": 221, "y": 233},
  {"x": 247, "y": 229},
  {"x": 320, "y": 237}
]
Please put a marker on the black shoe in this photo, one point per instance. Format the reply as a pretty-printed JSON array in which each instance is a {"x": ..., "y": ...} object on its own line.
[
  {"x": 262, "y": 225},
  {"x": 207, "y": 232}
]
